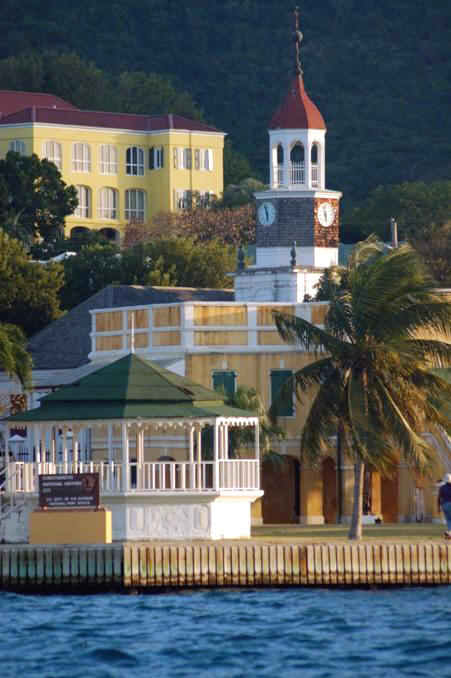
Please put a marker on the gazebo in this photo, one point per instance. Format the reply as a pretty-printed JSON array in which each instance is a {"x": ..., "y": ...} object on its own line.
[{"x": 144, "y": 430}]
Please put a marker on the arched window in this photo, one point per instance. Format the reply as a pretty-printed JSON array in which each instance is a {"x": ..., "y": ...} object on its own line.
[
  {"x": 108, "y": 203},
  {"x": 134, "y": 161},
  {"x": 107, "y": 159},
  {"x": 297, "y": 158},
  {"x": 79, "y": 232},
  {"x": 17, "y": 146},
  {"x": 109, "y": 234},
  {"x": 135, "y": 204},
  {"x": 81, "y": 157},
  {"x": 84, "y": 202},
  {"x": 314, "y": 157},
  {"x": 280, "y": 154},
  {"x": 51, "y": 150},
  {"x": 314, "y": 154}
]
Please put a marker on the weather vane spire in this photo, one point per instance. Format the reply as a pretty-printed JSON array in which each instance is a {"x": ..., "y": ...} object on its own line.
[{"x": 297, "y": 37}]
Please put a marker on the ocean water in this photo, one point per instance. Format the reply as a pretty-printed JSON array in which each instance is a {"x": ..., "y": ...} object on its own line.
[{"x": 282, "y": 633}]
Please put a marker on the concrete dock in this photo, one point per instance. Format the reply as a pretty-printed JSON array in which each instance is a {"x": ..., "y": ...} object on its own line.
[{"x": 155, "y": 566}]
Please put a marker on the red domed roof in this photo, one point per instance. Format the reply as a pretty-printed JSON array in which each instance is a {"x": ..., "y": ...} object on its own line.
[{"x": 297, "y": 111}]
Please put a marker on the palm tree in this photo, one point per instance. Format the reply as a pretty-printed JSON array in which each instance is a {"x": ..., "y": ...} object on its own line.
[
  {"x": 371, "y": 379},
  {"x": 14, "y": 359},
  {"x": 241, "y": 439}
]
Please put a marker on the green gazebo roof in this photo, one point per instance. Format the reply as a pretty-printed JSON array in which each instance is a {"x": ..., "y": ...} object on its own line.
[{"x": 128, "y": 388}]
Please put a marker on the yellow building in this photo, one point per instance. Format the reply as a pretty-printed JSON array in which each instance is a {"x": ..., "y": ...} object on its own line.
[{"x": 125, "y": 167}]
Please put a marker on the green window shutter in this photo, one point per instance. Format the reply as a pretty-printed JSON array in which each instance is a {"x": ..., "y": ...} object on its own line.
[
  {"x": 285, "y": 407},
  {"x": 224, "y": 382}
]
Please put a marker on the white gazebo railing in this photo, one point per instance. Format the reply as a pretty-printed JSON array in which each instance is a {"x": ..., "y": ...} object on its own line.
[
  {"x": 315, "y": 176},
  {"x": 297, "y": 170},
  {"x": 146, "y": 477}
]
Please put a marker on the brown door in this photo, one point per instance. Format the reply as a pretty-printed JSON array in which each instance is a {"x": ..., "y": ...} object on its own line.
[{"x": 329, "y": 474}]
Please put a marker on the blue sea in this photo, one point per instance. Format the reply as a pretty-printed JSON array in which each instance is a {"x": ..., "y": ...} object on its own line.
[{"x": 282, "y": 633}]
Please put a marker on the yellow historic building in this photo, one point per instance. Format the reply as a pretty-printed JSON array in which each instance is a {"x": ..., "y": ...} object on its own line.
[{"x": 125, "y": 167}]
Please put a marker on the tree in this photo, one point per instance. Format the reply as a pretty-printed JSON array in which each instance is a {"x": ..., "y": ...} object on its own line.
[
  {"x": 92, "y": 269},
  {"x": 434, "y": 244},
  {"x": 236, "y": 166},
  {"x": 416, "y": 206},
  {"x": 238, "y": 195},
  {"x": 167, "y": 261},
  {"x": 34, "y": 200},
  {"x": 229, "y": 226},
  {"x": 67, "y": 75},
  {"x": 241, "y": 439},
  {"x": 29, "y": 291},
  {"x": 372, "y": 378},
  {"x": 14, "y": 359},
  {"x": 148, "y": 93}
]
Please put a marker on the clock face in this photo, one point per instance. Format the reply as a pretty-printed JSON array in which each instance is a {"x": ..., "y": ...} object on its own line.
[
  {"x": 326, "y": 214},
  {"x": 266, "y": 213}
]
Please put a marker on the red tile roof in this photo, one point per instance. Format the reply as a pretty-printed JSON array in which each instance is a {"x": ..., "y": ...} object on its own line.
[
  {"x": 128, "y": 121},
  {"x": 297, "y": 111},
  {"x": 11, "y": 102}
]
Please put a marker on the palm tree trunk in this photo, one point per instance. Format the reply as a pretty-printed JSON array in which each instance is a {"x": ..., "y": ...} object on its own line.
[{"x": 355, "y": 531}]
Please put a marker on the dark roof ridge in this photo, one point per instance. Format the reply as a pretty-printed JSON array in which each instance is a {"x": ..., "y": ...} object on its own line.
[{"x": 41, "y": 94}]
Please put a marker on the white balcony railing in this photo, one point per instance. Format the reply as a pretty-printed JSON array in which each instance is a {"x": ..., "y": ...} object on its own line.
[
  {"x": 315, "y": 176},
  {"x": 148, "y": 477},
  {"x": 297, "y": 173}
]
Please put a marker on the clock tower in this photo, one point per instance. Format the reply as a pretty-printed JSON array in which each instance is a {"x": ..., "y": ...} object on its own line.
[{"x": 297, "y": 218}]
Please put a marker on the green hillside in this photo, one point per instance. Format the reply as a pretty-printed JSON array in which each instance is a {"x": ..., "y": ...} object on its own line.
[{"x": 377, "y": 69}]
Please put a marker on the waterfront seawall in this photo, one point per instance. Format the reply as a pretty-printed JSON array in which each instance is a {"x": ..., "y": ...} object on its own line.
[{"x": 152, "y": 566}]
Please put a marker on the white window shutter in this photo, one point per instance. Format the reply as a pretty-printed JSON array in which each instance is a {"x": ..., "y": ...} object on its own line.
[{"x": 210, "y": 159}]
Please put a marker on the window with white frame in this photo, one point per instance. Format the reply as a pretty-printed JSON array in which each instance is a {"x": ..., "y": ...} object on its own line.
[
  {"x": 156, "y": 157},
  {"x": 18, "y": 146},
  {"x": 206, "y": 159},
  {"x": 183, "y": 199},
  {"x": 134, "y": 161},
  {"x": 107, "y": 159},
  {"x": 135, "y": 204},
  {"x": 183, "y": 158},
  {"x": 51, "y": 150},
  {"x": 81, "y": 157},
  {"x": 187, "y": 161},
  {"x": 205, "y": 198},
  {"x": 84, "y": 202},
  {"x": 108, "y": 203}
]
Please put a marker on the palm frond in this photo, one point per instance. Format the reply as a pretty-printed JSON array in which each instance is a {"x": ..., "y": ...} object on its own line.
[{"x": 296, "y": 330}]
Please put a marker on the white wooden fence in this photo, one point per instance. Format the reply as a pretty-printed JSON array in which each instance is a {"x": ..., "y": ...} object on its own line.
[{"x": 148, "y": 477}]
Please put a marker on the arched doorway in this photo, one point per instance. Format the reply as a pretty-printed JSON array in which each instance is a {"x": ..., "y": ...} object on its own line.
[
  {"x": 330, "y": 501},
  {"x": 79, "y": 232},
  {"x": 297, "y": 161},
  {"x": 389, "y": 498},
  {"x": 282, "y": 491},
  {"x": 109, "y": 234}
]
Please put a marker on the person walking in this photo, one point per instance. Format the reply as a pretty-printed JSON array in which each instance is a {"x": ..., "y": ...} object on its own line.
[{"x": 444, "y": 502}]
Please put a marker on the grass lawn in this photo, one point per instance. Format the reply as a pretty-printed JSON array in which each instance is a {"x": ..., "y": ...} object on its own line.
[{"x": 411, "y": 532}]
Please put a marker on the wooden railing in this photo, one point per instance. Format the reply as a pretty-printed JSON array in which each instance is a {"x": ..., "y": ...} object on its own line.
[{"x": 149, "y": 477}]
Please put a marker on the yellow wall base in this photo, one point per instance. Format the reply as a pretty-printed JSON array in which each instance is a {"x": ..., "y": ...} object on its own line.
[{"x": 70, "y": 527}]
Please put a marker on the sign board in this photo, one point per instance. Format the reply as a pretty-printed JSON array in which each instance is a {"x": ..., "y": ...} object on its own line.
[{"x": 69, "y": 490}]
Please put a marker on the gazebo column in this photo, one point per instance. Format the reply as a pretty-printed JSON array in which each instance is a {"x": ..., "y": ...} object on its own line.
[
  {"x": 53, "y": 445},
  {"x": 65, "y": 448},
  {"x": 110, "y": 443},
  {"x": 75, "y": 447},
  {"x": 125, "y": 458},
  {"x": 256, "y": 480},
  {"x": 191, "y": 444},
  {"x": 36, "y": 444},
  {"x": 43, "y": 443},
  {"x": 199, "y": 457},
  {"x": 216, "y": 455}
]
